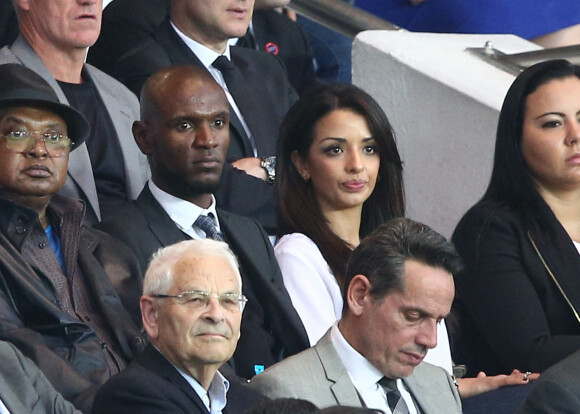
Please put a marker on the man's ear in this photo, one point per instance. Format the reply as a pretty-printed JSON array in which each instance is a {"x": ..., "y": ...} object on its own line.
[
  {"x": 301, "y": 165},
  {"x": 149, "y": 315},
  {"x": 141, "y": 135},
  {"x": 357, "y": 294}
]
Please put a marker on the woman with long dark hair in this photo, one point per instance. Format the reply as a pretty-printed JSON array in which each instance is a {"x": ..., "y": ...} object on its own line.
[
  {"x": 339, "y": 176},
  {"x": 518, "y": 301}
]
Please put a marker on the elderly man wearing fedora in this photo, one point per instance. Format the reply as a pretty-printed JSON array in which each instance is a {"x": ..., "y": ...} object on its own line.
[{"x": 69, "y": 295}]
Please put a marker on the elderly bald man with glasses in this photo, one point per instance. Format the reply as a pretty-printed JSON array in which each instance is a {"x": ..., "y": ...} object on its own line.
[
  {"x": 192, "y": 308},
  {"x": 68, "y": 294}
]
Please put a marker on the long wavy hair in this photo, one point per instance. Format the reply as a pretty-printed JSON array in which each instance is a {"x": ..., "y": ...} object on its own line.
[
  {"x": 298, "y": 208},
  {"x": 511, "y": 183}
]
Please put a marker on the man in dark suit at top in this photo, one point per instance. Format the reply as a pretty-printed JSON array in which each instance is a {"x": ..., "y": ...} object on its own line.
[
  {"x": 184, "y": 133},
  {"x": 192, "y": 308},
  {"x": 270, "y": 31},
  {"x": 256, "y": 85}
]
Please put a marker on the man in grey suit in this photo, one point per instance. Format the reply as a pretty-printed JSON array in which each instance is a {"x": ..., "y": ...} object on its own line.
[
  {"x": 399, "y": 285},
  {"x": 108, "y": 169},
  {"x": 25, "y": 389}
]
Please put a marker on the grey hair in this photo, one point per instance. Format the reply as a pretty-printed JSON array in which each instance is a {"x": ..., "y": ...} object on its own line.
[{"x": 160, "y": 272}]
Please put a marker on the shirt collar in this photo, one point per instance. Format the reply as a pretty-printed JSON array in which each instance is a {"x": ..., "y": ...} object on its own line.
[
  {"x": 215, "y": 399},
  {"x": 182, "y": 212},
  {"x": 206, "y": 55},
  {"x": 359, "y": 369}
]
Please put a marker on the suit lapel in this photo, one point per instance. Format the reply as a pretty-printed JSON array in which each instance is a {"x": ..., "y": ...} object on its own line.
[
  {"x": 155, "y": 362},
  {"x": 341, "y": 386},
  {"x": 79, "y": 158},
  {"x": 264, "y": 138},
  {"x": 159, "y": 221},
  {"x": 561, "y": 260},
  {"x": 432, "y": 394}
]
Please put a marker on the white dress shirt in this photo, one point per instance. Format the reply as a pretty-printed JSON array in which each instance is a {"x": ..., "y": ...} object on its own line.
[
  {"x": 215, "y": 398},
  {"x": 207, "y": 56},
  {"x": 365, "y": 376},
  {"x": 3, "y": 408},
  {"x": 183, "y": 213}
]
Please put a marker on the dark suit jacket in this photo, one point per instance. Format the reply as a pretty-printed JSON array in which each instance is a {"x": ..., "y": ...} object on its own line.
[
  {"x": 152, "y": 385},
  {"x": 8, "y": 23},
  {"x": 275, "y": 33},
  {"x": 122, "y": 29},
  {"x": 145, "y": 227},
  {"x": 517, "y": 306}
]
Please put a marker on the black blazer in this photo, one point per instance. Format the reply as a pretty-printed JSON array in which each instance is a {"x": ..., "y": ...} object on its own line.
[
  {"x": 152, "y": 385},
  {"x": 145, "y": 227},
  {"x": 122, "y": 29},
  {"x": 517, "y": 305}
]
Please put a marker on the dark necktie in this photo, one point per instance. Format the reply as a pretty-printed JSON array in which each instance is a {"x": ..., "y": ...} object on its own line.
[
  {"x": 396, "y": 403},
  {"x": 238, "y": 89},
  {"x": 207, "y": 224}
]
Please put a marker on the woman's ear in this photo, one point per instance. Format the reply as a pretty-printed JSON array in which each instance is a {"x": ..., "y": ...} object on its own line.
[{"x": 301, "y": 165}]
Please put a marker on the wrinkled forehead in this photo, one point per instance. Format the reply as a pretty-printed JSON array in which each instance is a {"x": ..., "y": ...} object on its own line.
[{"x": 207, "y": 273}]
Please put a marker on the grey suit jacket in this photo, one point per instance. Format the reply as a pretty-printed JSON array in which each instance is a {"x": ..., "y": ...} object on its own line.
[
  {"x": 557, "y": 390},
  {"x": 317, "y": 375},
  {"x": 123, "y": 108},
  {"x": 25, "y": 389}
]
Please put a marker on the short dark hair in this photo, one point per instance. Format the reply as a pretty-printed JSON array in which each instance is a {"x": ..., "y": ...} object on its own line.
[
  {"x": 511, "y": 183},
  {"x": 382, "y": 254},
  {"x": 298, "y": 209},
  {"x": 284, "y": 406}
]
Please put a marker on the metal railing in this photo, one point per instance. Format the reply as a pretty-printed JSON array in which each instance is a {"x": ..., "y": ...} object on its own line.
[{"x": 340, "y": 16}]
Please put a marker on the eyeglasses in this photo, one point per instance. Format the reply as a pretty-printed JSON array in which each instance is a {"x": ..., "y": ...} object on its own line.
[
  {"x": 200, "y": 300},
  {"x": 57, "y": 145}
]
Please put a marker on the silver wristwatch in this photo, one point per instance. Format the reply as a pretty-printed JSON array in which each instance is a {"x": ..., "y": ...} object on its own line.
[{"x": 269, "y": 164}]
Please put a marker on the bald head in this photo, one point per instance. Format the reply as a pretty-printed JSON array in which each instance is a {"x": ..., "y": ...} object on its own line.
[
  {"x": 169, "y": 82},
  {"x": 184, "y": 131}
]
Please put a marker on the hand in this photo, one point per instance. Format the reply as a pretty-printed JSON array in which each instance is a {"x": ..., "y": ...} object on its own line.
[
  {"x": 469, "y": 387},
  {"x": 252, "y": 166}
]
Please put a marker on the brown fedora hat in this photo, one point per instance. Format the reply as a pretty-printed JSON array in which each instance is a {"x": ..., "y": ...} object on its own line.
[{"x": 20, "y": 86}]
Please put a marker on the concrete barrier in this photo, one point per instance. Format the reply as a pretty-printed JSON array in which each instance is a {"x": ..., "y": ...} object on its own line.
[{"x": 444, "y": 105}]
